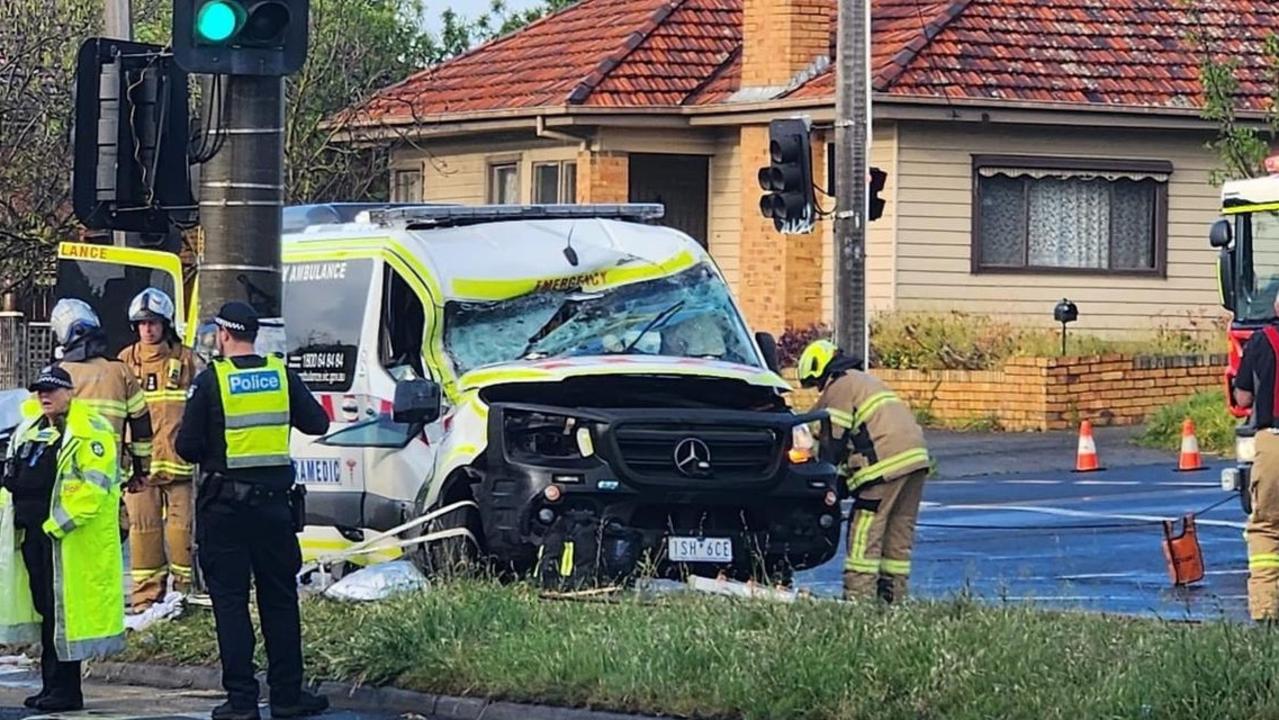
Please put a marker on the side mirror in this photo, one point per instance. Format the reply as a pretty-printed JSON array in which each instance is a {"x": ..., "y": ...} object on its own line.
[
  {"x": 768, "y": 346},
  {"x": 417, "y": 402},
  {"x": 1222, "y": 234},
  {"x": 1226, "y": 279}
]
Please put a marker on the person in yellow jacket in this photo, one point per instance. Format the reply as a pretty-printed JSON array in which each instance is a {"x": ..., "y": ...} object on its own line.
[
  {"x": 61, "y": 487},
  {"x": 884, "y": 460},
  {"x": 106, "y": 385},
  {"x": 160, "y": 507}
]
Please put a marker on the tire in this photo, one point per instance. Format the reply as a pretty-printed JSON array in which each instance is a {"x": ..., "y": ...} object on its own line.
[{"x": 454, "y": 556}]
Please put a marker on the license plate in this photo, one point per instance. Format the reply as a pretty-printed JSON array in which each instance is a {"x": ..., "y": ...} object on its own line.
[{"x": 690, "y": 549}]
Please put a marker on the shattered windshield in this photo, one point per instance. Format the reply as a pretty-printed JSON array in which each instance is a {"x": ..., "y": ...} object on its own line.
[{"x": 689, "y": 314}]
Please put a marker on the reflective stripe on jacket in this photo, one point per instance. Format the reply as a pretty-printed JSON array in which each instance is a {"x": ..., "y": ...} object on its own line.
[
  {"x": 109, "y": 388},
  {"x": 884, "y": 440},
  {"x": 83, "y": 524},
  {"x": 255, "y": 402},
  {"x": 164, "y": 372}
]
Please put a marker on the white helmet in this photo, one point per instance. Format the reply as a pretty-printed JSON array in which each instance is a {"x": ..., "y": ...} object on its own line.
[
  {"x": 72, "y": 318},
  {"x": 151, "y": 304}
]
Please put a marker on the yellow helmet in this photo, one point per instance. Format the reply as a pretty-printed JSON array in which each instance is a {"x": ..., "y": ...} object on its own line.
[{"x": 814, "y": 361}]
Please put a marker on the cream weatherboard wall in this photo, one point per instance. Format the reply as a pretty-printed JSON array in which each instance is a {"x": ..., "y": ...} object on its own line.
[
  {"x": 934, "y": 203},
  {"x": 457, "y": 172}
]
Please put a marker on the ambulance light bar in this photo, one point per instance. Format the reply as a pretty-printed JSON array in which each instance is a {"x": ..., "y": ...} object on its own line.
[{"x": 453, "y": 215}]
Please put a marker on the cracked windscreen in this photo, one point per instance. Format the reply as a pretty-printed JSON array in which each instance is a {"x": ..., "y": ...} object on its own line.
[{"x": 688, "y": 314}]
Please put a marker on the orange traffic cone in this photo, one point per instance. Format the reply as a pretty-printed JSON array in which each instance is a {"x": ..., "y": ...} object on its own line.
[
  {"x": 1086, "y": 459},
  {"x": 1190, "y": 458}
]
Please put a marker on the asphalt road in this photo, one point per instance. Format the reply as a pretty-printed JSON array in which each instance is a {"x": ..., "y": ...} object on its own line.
[{"x": 1014, "y": 533}]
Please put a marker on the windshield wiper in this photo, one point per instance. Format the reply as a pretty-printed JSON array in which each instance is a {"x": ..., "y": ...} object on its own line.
[
  {"x": 566, "y": 312},
  {"x": 658, "y": 320}
]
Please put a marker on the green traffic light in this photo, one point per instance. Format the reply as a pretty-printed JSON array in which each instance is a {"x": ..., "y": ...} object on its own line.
[{"x": 216, "y": 21}]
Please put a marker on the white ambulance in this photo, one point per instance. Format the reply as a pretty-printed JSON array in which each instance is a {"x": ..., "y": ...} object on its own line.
[{"x": 560, "y": 361}]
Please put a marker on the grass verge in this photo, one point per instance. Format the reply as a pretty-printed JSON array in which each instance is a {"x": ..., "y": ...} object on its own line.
[
  {"x": 716, "y": 658},
  {"x": 1214, "y": 425}
]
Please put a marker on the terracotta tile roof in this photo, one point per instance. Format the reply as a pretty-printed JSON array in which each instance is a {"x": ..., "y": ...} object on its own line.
[
  {"x": 544, "y": 64},
  {"x": 676, "y": 59},
  {"x": 1093, "y": 52},
  {"x": 665, "y": 53}
]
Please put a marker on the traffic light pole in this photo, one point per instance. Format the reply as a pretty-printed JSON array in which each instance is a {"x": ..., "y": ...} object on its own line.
[
  {"x": 241, "y": 197},
  {"x": 852, "y": 144},
  {"x": 117, "y": 21}
]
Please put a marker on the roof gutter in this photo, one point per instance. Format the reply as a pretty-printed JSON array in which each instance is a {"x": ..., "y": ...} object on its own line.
[{"x": 545, "y": 132}]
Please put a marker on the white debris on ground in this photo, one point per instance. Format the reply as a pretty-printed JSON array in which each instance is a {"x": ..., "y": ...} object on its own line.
[
  {"x": 652, "y": 588},
  {"x": 168, "y": 608},
  {"x": 378, "y": 582},
  {"x": 15, "y": 664}
]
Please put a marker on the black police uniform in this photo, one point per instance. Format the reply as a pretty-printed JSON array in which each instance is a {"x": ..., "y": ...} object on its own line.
[{"x": 244, "y": 525}]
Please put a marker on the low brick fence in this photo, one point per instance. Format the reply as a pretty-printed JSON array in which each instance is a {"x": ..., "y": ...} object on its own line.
[{"x": 1040, "y": 393}]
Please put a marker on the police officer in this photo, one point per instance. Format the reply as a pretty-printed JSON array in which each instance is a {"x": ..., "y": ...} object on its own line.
[
  {"x": 1255, "y": 388},
  {"x": 160, "y": 506},
  {"x": 62, "y": 478},
  {"x": 236, "y": 426},
  {"x": 884, "y": 461}
]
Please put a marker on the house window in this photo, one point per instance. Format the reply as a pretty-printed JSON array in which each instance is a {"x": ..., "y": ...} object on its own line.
[
  {"x": 406, "y": 186},
  {"x": 555, "y": 182},
  {"x": 504, "y": 183},
  {"x": 1070, "y": 215}
]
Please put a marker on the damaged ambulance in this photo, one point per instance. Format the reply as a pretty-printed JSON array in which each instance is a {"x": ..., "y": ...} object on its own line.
[{"x": 560, "y": 367}]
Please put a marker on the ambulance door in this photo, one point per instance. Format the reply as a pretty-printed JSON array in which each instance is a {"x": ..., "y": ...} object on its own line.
[
  {"x": 397, "y": 475},
  {"x": 397, "y": 459},
  {"x": 329, "y": 321},
  {"x": 108, "y": 277}
]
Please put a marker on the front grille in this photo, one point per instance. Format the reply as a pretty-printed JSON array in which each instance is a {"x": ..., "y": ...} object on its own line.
[{"x": 736, "y": 454}]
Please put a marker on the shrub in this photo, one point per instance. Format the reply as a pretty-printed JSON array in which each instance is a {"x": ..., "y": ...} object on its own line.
[
  {"x": 792, "y": 342},
  {"x": 1214, "y": 425}
]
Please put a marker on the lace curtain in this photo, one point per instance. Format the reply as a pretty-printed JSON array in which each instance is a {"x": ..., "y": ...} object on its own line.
[{"x": 1078, "y": 221}]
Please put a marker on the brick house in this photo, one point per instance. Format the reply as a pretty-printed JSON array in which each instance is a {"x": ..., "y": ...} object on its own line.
[{"x": 1035, "y": 149}]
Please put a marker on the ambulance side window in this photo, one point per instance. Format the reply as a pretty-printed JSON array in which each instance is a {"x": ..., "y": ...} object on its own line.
[{"x": 402, "y": 328}]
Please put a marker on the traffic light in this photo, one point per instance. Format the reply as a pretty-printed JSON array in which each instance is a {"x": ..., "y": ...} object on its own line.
[
  {"x": 240, "y": 37},
  {"x": 875, "y": 185},
  {"x": 788, "y": 180},
  {"x": 129, "y": 137}
]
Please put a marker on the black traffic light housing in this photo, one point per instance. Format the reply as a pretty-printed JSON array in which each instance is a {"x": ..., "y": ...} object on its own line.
[
  {"x": 874, "y": 203},
  {"x": 130, "y": 169},
  {"x": 240, "y": 37},
  {"x": 787, "y": 182}
]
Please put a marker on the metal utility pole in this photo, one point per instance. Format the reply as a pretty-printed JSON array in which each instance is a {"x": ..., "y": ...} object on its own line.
[
  {"x": 852, "y": 147},
  {"x": 241, "y": 196},
  {"x": 117, "y": 21}
]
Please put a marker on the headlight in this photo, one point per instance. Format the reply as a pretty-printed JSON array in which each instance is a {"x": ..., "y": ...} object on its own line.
[
  {"x": 802, "y": 444},
  {"x": 1246, "y": 449},
  {"x": 539, "y": 436}
]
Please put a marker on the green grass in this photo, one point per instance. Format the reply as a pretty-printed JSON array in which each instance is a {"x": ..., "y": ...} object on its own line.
[
  {"x": 1214, "y": 425},
  {"x": 712, "y": 657}
]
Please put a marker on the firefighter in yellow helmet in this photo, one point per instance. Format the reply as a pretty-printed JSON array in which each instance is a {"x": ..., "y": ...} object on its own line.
[
  {"x": 160, "y": 507},
  {"x": 105, "y": 385},
  {"x": 59, "y": 540},
  {"x": 883, "y": 459}
]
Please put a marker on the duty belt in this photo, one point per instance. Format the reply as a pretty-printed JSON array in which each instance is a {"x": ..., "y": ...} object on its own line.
[{"x": 220, "y": 488}]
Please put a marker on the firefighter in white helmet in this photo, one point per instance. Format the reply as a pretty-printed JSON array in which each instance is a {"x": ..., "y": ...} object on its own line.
[
  {"x": 160, "y": 507},
  {"x": 105, "y": 385}
]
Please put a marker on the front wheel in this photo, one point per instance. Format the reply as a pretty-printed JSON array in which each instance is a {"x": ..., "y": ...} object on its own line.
[{"x": 451, "y": 556}]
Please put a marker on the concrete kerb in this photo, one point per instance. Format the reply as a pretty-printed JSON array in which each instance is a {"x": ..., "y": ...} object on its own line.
[{"x": 355, "y": 697}]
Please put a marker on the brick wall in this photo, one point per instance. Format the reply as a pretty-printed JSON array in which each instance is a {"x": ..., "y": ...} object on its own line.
[
  {"x": 603, "y": 177},
  {"x": 781, "y": 38},
  {"x": 1053, "y": 393}
]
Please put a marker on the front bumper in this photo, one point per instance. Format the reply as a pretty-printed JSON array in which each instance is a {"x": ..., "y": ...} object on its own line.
[{"x": 780, "y": 515}]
